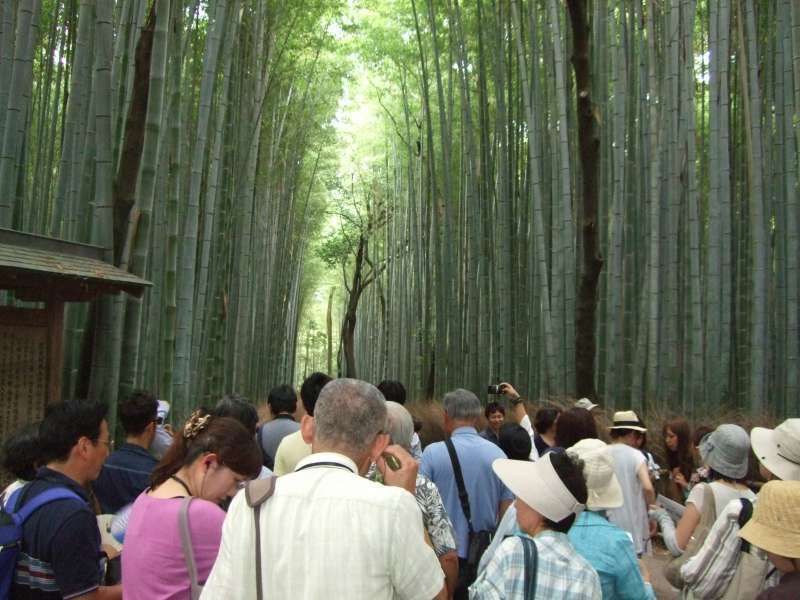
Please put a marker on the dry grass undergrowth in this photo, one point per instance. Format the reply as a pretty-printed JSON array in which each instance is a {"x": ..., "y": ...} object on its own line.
[{"x": 431, "y": 413}]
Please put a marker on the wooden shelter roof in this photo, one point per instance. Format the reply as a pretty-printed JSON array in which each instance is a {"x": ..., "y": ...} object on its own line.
[{"x": 39, "y": 268}]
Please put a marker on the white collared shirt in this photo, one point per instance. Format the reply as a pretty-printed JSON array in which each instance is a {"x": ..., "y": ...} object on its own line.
[{"x": 327, "y": 533}]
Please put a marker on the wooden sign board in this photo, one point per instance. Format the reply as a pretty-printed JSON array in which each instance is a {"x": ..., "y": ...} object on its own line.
[{"x": 30, "y": 364}]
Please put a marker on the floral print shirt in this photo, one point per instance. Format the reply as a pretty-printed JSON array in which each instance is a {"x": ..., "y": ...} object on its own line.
[{"x": 434, "y": 516}]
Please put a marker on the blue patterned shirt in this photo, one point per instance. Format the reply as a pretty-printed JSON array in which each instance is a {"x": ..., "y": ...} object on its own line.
[{"x": 561, "y": 572}]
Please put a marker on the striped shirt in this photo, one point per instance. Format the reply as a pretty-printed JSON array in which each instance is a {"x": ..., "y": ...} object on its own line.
[{"x": 709, "y": 572}]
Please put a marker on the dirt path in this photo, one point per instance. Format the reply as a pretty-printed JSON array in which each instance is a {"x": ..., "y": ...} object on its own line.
[{"x": 656, "y": 563}]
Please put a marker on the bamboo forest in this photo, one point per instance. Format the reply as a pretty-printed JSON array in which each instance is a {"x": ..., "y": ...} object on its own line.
[{"x": 586, "y": 198}]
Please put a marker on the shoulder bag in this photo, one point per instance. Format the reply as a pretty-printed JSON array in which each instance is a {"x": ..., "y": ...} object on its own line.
[
  {"x": 753, "y": 566},
  {"x": 707, "y": 517}
]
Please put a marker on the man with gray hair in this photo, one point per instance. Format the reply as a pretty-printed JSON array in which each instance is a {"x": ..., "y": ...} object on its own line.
[
  {"x": 466, "y": 455},
  {"x": 326, "y": 531}
]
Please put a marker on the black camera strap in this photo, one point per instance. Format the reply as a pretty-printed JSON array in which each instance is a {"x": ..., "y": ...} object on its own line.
[{"x": 462, "y": 489}]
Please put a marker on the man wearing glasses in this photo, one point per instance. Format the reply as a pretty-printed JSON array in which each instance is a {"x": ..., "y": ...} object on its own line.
[{"x": 60, "y": 554}]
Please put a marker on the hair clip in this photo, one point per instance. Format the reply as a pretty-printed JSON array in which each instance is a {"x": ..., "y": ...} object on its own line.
[{"x": 195, "y": 425}]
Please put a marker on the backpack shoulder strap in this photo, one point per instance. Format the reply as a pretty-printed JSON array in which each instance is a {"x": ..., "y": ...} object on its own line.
[
  {"x": 38, "y": 501},
  {"x": 463, "y": 496},
  {"x": 256, "y": 493},
  {"x": 744, "y": 516}
]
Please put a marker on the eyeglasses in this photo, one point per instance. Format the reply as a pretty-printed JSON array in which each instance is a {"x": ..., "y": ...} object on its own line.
[{"x": 108, "y": 443}]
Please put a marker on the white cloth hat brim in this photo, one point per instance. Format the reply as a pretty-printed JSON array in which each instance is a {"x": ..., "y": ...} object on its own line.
[
  {"x": 766, "y": 450},
  {"x": 607, "y": 497},
  {"x": 538, "y": 485}
]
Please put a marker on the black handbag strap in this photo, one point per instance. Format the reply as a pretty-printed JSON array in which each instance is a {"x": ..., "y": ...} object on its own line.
[
  {"x": 463, "y": 497},
  {"x": 531, "y": 566},
  {"x": 744, "y": 516}
]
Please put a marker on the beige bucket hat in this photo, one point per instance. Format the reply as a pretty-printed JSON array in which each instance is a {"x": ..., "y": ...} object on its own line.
[
  {"x": 538, "y": 485},
  {"x": 775, "y": 524},
  {"x": 779, "y": 449},
  {"x": 598, "y": 468}
]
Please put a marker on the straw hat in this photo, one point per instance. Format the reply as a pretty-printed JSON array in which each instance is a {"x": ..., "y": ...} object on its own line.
[
  {"x": 585, "y": 403},
  {"x": 627, "y": 419},
  {"x": 779, "y": 449},
  {"x": 538, "y": 485},
  {"x": 726, "y": 450},
  {"x": 598, "y": 467},
  {"x": 775, "y": 524}
]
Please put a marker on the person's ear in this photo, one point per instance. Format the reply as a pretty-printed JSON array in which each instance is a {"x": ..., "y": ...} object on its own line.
[
  {"x": 210, "y": 461},
  {"x": 84, "y": 446},
  {"x": 307, "y": 429},
  {"x": 448, "y": 424},
  {"x": 378, "y": 446}
]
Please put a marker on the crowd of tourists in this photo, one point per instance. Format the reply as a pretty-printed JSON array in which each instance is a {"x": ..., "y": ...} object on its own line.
[{"x": 345, "y": 502}]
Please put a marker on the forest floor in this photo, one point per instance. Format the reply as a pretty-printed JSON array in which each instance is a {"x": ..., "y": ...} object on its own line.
[{"x": 656, "y": 564}]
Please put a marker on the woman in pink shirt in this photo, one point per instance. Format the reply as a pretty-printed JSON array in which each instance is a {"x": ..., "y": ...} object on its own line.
[{"x": 203, "y": 466}]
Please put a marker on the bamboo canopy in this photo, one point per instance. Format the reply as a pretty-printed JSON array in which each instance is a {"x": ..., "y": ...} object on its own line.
[{"x": 596, "y": 197}]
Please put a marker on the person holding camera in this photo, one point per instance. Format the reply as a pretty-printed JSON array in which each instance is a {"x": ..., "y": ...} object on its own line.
[{"x": 519, "y": 414}]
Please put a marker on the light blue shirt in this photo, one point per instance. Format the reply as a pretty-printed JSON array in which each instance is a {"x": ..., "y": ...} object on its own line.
[
  {"x": 610, "y": 551},
  {"x": 484, "y": 488}
]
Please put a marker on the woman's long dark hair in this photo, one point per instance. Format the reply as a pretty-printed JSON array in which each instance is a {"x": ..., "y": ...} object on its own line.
[
  {"x": 226, "y": 437},
  {"x": 682, "y": 456}
]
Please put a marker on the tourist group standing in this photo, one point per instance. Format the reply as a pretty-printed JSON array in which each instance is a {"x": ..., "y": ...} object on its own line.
[{"x": 345, "y": 502}]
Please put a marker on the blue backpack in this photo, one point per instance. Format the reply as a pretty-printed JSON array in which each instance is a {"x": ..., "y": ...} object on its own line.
[{"x": 11, "y": 534}]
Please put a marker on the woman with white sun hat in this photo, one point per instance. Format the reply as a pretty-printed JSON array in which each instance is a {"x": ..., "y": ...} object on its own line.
[{"x": 540, "y": 562}]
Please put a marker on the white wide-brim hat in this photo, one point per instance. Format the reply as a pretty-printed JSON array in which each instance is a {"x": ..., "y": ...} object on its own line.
[
  {"x": 598, "y": 468},
  {"x": 538, "y": 485},
  {"x": 627, "y": 419},
  {"x": 779, "y": 449}
]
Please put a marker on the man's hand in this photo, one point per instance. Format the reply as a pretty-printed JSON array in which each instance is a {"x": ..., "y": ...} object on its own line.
[
  {"x": 518, "y": 410},
  {"x": 406, "y": 475},
  {"x": 508, "y": 390}
]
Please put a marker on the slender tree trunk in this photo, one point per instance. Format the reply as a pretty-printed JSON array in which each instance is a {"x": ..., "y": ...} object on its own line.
[
  {"x": 16, "y": 113},
  {"x": 589, "y": 146}
]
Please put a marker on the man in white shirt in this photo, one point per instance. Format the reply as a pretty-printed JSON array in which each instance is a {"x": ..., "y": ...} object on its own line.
[
  {"x": 327, "y": 532},
  {"x": 630, "y": 466}
]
